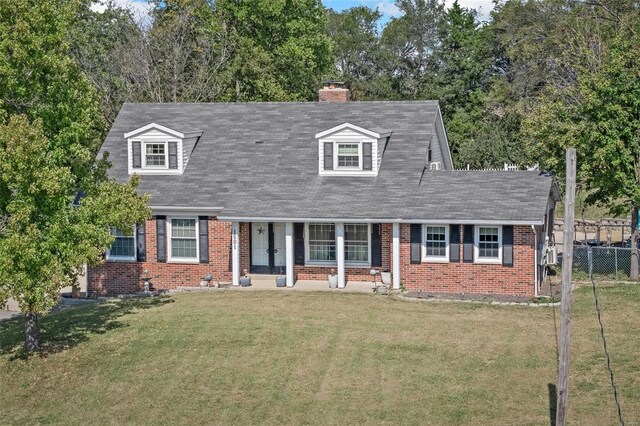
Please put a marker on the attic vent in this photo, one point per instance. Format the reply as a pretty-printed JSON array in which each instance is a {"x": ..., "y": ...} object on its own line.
[{"x": 435, "y": 165}]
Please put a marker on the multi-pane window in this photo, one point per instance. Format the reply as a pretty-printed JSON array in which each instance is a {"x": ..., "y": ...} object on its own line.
[
  {"x": 123, "y": 247},
  {"x": 435, "y": 242},
  {"x": 488, "y": 242},
  {"x": 322, "y": 242},
  {"x": 155, "y": 154},
  {"x": 356, "y": 242},
  {"x": 348, "y": 155},
  {"x": 184, "y": 242}
]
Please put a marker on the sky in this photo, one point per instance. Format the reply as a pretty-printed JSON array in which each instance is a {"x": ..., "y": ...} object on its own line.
[{"x": 387, "y": 7}]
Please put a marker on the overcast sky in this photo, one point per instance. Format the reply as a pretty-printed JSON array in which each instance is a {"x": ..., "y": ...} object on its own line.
[{"x": 387, "y": 7}]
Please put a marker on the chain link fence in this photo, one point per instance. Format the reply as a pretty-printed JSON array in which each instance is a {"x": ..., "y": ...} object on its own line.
[{"x": 603, "y": 263}]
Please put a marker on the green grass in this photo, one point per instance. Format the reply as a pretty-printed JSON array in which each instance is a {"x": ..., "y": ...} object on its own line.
[{"x": 321, "y": 358}]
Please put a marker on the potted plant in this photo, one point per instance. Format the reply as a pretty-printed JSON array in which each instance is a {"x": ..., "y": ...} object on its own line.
[
  {"x": 245, "y": 279},
  {"x": 333, "y": 279},
  {"x": 281, "y": 281},
  {"x": 386, "y": 277}
]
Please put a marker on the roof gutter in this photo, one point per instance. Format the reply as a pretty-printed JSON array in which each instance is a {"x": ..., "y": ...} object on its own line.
[{"x": 378, "y": 220}]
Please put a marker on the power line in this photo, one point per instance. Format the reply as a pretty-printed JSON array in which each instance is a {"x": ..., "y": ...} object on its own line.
[{"x": 606, "y": 352}]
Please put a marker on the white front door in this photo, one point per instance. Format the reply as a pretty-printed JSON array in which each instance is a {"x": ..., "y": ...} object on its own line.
[
  {"x": 260, "y": 244},
  {"x": 279, "y": 248}
]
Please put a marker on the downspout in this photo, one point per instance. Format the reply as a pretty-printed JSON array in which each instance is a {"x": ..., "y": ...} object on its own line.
[{"x": 535, "y": 261}]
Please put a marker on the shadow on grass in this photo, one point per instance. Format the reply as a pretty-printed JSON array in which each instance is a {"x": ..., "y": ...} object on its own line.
[
  {"x": 69, "y": 327},
  {"x": 553, "y": 403}
]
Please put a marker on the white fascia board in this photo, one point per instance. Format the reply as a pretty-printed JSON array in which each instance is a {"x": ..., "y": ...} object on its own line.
[
  {"x": 350, "y": 126},
  {"x": 154, "y": 126},
  {"x": 380, "y": 220}
]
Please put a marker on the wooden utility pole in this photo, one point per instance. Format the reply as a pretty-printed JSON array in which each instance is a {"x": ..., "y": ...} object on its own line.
[{"x": 567, "y": 264}]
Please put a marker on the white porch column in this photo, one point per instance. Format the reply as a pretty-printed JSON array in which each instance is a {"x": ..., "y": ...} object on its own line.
[
  {"x": 235, "y": 253},
  {"x": 340, "y": 254},
  {"x": 396, "y": 256},
  {"x": 288, "y": 245}
]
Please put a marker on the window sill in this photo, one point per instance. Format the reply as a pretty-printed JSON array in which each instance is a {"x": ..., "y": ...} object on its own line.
[
  {"x": 121, "y": 259},
  {"x": 435, "y": 260},
  {"x": 488, "y": 261},
  {"x": 184, "y": 261}
]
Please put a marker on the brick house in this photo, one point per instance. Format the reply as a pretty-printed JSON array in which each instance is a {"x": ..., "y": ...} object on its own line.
[{"x": 300, "y": 189}]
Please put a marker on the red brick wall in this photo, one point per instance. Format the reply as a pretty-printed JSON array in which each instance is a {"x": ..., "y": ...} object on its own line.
[
  {"x": 125, "y": 277},
  {"x": 472, "y": 277}
]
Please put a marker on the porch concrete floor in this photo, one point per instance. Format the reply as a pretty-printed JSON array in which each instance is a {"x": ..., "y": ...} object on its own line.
[{"x": 269, "y": 283}]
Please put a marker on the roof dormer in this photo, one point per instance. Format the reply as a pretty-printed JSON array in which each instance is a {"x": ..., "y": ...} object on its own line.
[
  {"x": 348, "y": 150},
  {"x": 158, "y": 150}
]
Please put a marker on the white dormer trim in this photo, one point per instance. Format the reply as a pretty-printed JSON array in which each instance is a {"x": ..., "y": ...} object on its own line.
[
  {"x": 155, "y": 126},
  {"x": 349, "y": 134},
  {"x": 157, "y": 135},
  {"x": 348, "y": 126}
]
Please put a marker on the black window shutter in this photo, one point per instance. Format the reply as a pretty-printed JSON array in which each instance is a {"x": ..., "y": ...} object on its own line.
[
  {"x": 328, "y": 155},
  {"x": 416, "y": 243},
  {"x": 141, "y": 244},
  {"x": 507, "y": 245},
  {"x": 136, "y": 152},
  {"x": 454, "y": 243},
  {"x": 467, "y": 240},
  {"x": 298, "y": 244},
  {"x": 376, "y": 244},
  {"x": 203, "y": 236},
  {"x": 173, "y": 155},
  {"x": 367, "y": 156},
  {"x": 161, "y": 238}
]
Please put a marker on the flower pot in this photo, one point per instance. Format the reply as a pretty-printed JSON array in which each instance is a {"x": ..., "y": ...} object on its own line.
[
  {"x": 333, "y": 281},
  {"x": 281, "y": 281},
  {"x": 386, "y": 278},
  {"x": 245, "y": 281}
]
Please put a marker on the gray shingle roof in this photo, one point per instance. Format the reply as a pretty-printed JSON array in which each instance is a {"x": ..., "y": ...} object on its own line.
[{"x": 279, "y": 178}]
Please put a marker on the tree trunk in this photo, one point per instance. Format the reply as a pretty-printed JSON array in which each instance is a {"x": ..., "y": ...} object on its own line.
[
  {"x": 634, "y": 243},
  {"x": 31, "y": 343}
]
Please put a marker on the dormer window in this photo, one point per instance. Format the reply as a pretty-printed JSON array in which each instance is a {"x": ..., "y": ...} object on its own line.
[
  {"x": 348, "y": 155},
  {"x": 349, "y": 150},
  {"x": 155, "y": 155},
  {"x": 155, "y": 149}
]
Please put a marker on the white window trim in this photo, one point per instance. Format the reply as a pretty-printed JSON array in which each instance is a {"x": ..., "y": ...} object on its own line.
[
  {"x": 476, "y": 246},
  {"x": 351, "y": 264},
  {"x": 133, "y": 258},
  {"x": 144, "y": 154},
  {"x": 170, "y": 257},
  {"x": 336, "y": 156},
  {"x": 435, "y": 259}
]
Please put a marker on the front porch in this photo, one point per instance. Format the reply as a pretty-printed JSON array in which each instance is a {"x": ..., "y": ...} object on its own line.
[
  {"x": 267, "y": 282},
  {"x": 296, "y": 251}
]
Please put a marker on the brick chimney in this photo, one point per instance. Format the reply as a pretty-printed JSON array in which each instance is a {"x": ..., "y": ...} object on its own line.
[{"x": 333, "y": 91}]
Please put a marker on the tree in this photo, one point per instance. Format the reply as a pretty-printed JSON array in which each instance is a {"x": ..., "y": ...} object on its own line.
[
  {"x": 354, "y": 33},
  {"x": 47, "y": 240},
  {"x": 187, "y": 47},
  {"x": 282, "y": 49},
  {"x": 411, "y": 40},
  {"x": 50, "y": 128},
  {"x": 600, "y": 116},
  {"x": 110, "y": 48}
]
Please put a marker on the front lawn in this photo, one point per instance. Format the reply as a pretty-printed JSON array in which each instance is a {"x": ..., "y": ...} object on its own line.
[{"x": 322, "y": 358}]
